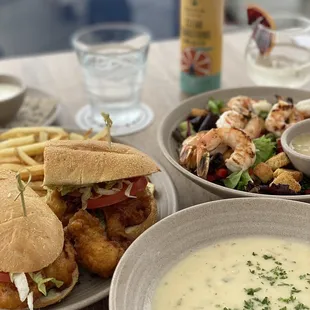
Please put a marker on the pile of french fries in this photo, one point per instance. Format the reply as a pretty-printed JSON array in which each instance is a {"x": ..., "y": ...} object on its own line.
[{"x": 21, "y": 150}]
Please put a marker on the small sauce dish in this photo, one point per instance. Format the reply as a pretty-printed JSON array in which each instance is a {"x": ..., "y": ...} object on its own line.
[
  {"x": 294, "y": 142},
  {"x": 12, "y": 94}
]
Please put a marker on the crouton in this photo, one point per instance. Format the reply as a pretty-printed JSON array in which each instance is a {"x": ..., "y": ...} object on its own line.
[
  {"x": 297, "y": 175},
  {"x": 278, "y": 161},
  {"x": 263, "y": 172},
  {"x": 198, "y": 112},
  {"x": 287, "y": 179}
]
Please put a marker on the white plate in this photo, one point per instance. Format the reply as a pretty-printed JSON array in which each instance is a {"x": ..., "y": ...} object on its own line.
[
  {"x": 92, "y": 288},
  {"x": 38, "y": 109}
]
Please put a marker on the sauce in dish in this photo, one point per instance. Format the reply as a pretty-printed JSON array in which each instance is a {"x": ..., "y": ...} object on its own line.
[
  {"x": 248, "y": 273},
  {"x": 8, "y": 91},
  {"x": 301, "y": 144}
]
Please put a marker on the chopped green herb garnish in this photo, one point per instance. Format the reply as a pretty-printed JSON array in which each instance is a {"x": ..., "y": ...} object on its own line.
[
  {"x": 288, "y": 300},
  {"x": 252, "y": 291}
]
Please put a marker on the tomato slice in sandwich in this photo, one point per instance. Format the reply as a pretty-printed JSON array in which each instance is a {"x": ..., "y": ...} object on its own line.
[
  {"x": 138, "y": 185},
  {"x": 4, "y": 277}
]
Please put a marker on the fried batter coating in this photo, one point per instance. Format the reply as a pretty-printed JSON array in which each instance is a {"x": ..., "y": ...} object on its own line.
[
  {"x": 94, "y": 251},
  {"x": 124, "y": 214},
  {"x": 64, "y": 207},
  {"x": 9, "y": 298},
  {"x": 56, "y": 204},
  {"x": 62, "y": 268}
]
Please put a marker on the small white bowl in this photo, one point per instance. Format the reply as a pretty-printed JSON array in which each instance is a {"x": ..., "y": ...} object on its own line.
[
  {"x": 300, "y": 161},
  {"x": 10, "y": 106}
]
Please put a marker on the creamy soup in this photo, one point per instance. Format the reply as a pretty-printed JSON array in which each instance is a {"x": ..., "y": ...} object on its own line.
[
  {"x": 8, "y": 91},
  {"x": 301, "y": 144},
  {"x": 247, "y": 273}
]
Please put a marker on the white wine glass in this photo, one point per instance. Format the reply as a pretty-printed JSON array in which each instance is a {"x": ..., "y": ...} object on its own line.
[{"x": 280, "y": 57}]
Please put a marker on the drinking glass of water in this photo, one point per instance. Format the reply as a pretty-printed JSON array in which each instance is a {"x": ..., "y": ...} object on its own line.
[
  {"x": 280, "y": 57},
  {"x": 113, "y": 60}
]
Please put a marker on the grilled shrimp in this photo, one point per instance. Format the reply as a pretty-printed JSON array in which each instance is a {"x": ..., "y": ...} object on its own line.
[
  {"x": 303, "y": 107},
  {"x": 232, "y": 119},
  {"x": 254, "y": 127},
  {"x": 243, "y": 156},
  {"x": 188, "y": 154},
  {"x": 281, "y": 116},
  {"x": 242, "y": 105}
]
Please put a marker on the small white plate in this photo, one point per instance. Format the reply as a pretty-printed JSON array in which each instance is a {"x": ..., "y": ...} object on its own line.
[
  {"x": 38, "y": 109},
  {"x": 85, "y": 121}
]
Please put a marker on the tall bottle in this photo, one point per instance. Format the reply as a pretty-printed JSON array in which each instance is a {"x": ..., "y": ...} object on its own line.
[{"x": 201, "y": 45}]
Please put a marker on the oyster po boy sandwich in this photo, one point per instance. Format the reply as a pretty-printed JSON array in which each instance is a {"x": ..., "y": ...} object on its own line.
[
  {"x": 37, "y": 266},
  {"x": 102, "y": 195}
]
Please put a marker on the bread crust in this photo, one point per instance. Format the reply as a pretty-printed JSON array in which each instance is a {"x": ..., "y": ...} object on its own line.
[
  {"x": 27, "y": 243},
  {"x": 54, "y": 298},
  {"x": 86, "y": 162}
]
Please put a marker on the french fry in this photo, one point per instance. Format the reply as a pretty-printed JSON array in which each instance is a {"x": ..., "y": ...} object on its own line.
[
  {"x": 23, "y": 131},
  {"x": 43, "y": 136},
  {"x": 37, "y": 173},
  {"x": 41, "y": 193},
  {"x": 75, "y": 136},
  {"x": 60, "y": 136},
  {"x": 100, "y": 135},
  {"x": 36, "y": 185},
  {"x": 25, "y": 158},
  {"x": 31, "y": 149},
  {"x": 10, "y": 160},
  {"x": 13, "y": 142},
  {"x": 13, "y": 167}
]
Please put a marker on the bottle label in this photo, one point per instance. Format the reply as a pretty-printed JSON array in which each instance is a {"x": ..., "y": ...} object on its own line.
[{"x": 201, "y": 44}]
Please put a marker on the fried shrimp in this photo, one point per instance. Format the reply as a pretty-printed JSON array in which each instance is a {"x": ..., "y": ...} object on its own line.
[
  {"x": 94, "y": 251},
  {"x": 242, "y": 105},
  {"x": 281, "y": 116},
  {"x": 63, "y": 267},
  {"x": 243, "y": 155}
]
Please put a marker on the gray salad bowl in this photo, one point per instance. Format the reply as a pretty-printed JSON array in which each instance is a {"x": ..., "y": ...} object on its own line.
[
  {"x": 172, "y": 239},
  {"x": 169, "y": 146}
]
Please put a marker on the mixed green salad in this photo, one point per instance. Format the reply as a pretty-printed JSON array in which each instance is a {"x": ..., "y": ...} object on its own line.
[{"x": 264, "y": 175}]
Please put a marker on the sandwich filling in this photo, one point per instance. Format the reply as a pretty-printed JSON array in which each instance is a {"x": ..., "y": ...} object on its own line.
[
  {"x": 23, "y": 289},
  {"x": 93, "y": 196}
]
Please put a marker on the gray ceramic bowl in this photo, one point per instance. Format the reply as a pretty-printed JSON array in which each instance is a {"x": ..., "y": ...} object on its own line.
[
  {"x": 169, "y": 146},
  {"x": 9, "y": 107},
  {"x": 300, "y": 161},
  {"x": 166, "y": 243}
]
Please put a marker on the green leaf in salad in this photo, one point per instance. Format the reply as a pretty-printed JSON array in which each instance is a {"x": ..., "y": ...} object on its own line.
[
  {"x": 233, "y": 179},
  {"x": 238, "y": 180},
  {"x": 185, "y": 130},
  {"x": 215, "y": 106},
  {"x": 265, "y": 149},
  {"x": 244, "y": 180}
]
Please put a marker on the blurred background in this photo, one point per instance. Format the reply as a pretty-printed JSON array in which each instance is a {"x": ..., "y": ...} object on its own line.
[{"x": 41, "y": 26}]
